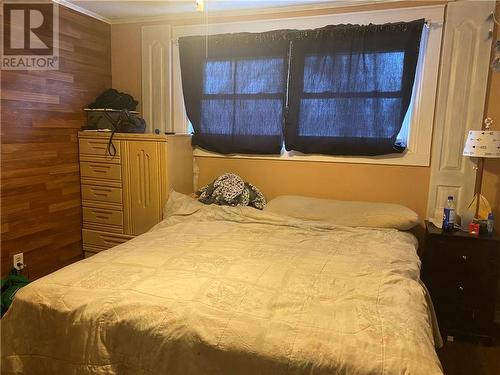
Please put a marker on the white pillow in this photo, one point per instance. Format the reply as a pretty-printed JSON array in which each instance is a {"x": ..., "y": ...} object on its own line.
[{"x": 349, "y": 213}]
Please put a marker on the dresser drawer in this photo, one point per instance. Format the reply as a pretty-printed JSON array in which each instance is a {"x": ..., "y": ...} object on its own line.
[
  {"x": 102, "y": 194},
  {"x": 101, "y": 171},
  {"x": 103, "y": 239},
  {"x": 90, "y": 250},
  {"x": 103, "y": 216},
  {"x": 98, "y": 147}
]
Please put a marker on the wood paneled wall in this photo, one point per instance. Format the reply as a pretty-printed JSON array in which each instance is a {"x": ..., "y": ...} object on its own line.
[{"x": 42, "y": 112}]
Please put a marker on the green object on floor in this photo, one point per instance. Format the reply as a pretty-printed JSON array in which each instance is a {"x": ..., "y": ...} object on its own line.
[{"x": 10, "y": 285}]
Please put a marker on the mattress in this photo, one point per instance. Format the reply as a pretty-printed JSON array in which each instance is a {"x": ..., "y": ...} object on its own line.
[{"x": 223, "y": 290}]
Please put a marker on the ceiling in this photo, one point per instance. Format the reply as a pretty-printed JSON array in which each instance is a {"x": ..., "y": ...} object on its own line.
[{"x": 118, "y": 9}]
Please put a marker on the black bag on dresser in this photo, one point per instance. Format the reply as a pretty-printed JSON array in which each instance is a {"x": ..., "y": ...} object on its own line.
[
  {"x": 114, "y": 99},
  {"x": 115, "y": 121},
  {"x": 122, "y": 121}
]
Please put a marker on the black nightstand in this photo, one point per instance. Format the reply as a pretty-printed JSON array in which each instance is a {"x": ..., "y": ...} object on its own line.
[{"x": 461, "y": 273}]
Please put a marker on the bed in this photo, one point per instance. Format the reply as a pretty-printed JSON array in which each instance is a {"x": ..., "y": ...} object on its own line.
[{"x": 224, "y": 290}]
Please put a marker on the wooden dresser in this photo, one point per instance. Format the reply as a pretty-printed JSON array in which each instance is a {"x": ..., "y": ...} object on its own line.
[
  {"x": 461, "y": 273},
  {"x": 123, "y": 195}
]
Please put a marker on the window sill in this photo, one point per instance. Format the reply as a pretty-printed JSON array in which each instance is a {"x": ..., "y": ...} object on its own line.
[{"x": 408, "y": 158}]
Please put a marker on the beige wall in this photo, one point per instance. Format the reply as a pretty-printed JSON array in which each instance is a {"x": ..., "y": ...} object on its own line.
[
  {"x": 379, "y": 183},
  {"x": 491, "y": 178},
  {"x": 126, "y": 58},
  {"x": 404, "y": 185}
]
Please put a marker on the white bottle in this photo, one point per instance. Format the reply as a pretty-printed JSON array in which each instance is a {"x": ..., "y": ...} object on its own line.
[{"x": 449, "y": 214}]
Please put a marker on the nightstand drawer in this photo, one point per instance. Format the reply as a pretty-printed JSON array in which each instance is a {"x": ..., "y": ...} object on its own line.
[
  {"x": 103, "y": 239},
  {"x": 102, "y": 194},
  {"x": 453, "y": 256},
  {"x": 459, "y": 291},
  {"x": 462, "y": 319},
  {"x": 103, "y": 216},
  {"x": 104, "y": 171}
]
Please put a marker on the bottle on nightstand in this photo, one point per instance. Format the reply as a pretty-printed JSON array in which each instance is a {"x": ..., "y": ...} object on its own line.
[
  {"x": 449, "y": 215},
  {"x": 490, "y": 224}
]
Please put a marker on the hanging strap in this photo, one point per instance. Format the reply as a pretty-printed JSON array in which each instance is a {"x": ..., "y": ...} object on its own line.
[{"x": 111, "y": 149}]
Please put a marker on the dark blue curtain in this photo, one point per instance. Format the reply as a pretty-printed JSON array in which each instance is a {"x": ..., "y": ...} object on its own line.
[
  {"x": 234, "y": 90},
  {"x": 341, "y": 90},
  {"x": 350, "y": 87}
]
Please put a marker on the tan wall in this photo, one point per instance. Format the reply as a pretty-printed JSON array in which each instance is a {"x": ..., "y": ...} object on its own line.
[
  {"x": 126, "y": 59},
  {"x": 379, "y": 183},
  {"x": 404, "y": 185},
  {"x": 491, "y": 178}
]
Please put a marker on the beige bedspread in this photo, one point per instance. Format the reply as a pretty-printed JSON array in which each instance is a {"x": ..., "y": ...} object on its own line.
[{"x": 218, "y": 290}]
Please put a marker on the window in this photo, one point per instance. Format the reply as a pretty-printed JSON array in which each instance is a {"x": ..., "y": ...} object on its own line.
[
  {"x": 331, "y": 93},
  {"x": 243, "y": 97},
  {"x": 238, "y": 103},
  {"x": 350, "y": 88},
  {"x": 416, "y": 131}
]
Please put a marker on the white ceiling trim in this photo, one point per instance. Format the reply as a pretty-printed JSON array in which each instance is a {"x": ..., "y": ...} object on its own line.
[
  {"x": 79, "y": 9},
  {"x": 228, "y": 13},
  {"x": 252, "y": 11}
]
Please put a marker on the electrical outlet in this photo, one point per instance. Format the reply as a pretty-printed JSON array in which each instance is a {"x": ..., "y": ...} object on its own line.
[{"x": 18, "y": 258}]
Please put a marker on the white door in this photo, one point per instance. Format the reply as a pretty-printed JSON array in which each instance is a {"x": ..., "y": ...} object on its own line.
[
  {"x": 156, "y": 77},
  {"x": 460, "y": 101}
]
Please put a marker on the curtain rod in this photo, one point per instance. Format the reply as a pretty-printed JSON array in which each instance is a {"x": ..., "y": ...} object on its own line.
[{"x": 427, "y": 24}]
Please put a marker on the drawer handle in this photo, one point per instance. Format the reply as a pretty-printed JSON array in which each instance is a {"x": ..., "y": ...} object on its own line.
[
  {"x": 97, "y": 145},
  {"x": 101, "y": 212},
  {"x": 112, "y": 240},
  {"x": 100, "y": 168},
  {"x": 99, "y": 165},
  {"x": 101, "y": 194},
  {"x": 101, "y": 189}
]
